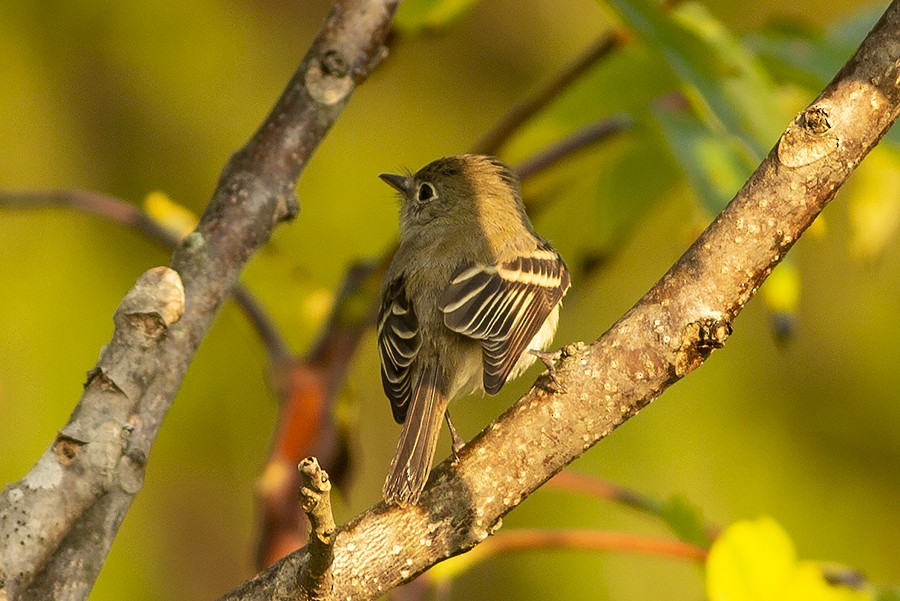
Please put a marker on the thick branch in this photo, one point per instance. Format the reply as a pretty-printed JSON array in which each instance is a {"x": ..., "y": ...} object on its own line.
[
  {"x": 95, "y": 467},
  {"x": 668, "y": 333}
]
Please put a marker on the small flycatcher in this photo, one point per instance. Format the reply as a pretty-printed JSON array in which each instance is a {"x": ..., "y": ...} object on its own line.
[{"x": 470, "y": 293}]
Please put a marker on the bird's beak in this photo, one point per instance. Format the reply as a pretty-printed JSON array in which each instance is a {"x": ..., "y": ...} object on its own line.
[{"x": 397, "y": 182}]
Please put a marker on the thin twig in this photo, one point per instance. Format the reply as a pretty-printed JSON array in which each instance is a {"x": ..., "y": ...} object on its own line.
[
  {"x": 495, "y": 139},
  {"x": 604, "y": 489},
  {"x": 276, "y": 346},
  {"x": 315, "y": 499},
  {"x": 564, "y": 148},
  {"x": 308, "y": 387},
  {"x": 585, "y": 540},
  {"x": 597, "y": 487},
  {"x": 522, "y": 540},
  {"x": 103, "y": 205}
]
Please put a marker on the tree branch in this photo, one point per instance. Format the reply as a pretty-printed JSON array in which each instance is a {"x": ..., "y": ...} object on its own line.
[
  {"x": 588, "y": 540},
  {"x": 581, "y": 138},
  {"x": 59, "y": 521},
  {"x": 666, "y": 335},
  {"x": 315, "y": 499}
]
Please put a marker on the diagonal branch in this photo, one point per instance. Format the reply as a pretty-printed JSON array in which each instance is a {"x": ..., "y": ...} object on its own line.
[
  {"x": 667, "y": 334},
  {"x": 58, "y": 522},
  {"x": 582, "y": 138}
]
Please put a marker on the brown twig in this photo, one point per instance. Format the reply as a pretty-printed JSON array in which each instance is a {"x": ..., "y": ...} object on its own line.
[
  {"x": 276, "y": 346},
  {"x": 597, "y": 487},
  {"x": 523, "y": 540},
  {"x": 582, "y": 138},
  {"x": 604, "y": 489},
  {"x": 63, "y": 527},
  {"x": 308, "y": 387},
  {"x": 585, "y": 540},
  {"x": 315, "y": 499},
  {"x": 103, "y": 205},
  {"x": 665, "y": 336}
]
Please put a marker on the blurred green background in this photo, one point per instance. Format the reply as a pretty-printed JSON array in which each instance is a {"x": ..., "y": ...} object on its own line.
[{"x": 130, "y": 98}]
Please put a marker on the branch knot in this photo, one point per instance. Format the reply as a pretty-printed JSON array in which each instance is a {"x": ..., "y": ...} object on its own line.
[
  {"x": 698, "y": 340},
  {"x": 809, "y": 137},
  {"x": 328, "y": 79},
  {"x": 155, "y": 302}
]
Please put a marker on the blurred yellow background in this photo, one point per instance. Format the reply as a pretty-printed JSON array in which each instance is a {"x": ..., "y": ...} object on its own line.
[{"x": 131, "y": 98}]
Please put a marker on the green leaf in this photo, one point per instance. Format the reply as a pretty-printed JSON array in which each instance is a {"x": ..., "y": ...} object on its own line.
[
  {"x": 623, "y": 193},
  {"x": 722, "y": 79},
  {"x": 685, "y": 519},
  {"x": 887, "y": 593},
  {"x": 797, "y": 52},
  {"x": 716, "y": 164},
  {"x": 416, "y": 16},
  {"x": 610, "y": 202},
  {"x": 635, "y": 74}
]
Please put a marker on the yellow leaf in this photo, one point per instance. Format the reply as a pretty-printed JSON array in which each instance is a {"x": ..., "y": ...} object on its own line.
[
  {"x": 781, "y": 292},
  {"x": 172, "y": 216},
  {"x": 875, "y": 202},
  {"x": 755, "y": 560},
  {"x": 750, "y": 561},
  {"x": 317, "y": 305}
]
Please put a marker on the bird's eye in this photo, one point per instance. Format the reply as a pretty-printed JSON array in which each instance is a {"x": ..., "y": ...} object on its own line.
[{"x": 426, "y": 192}]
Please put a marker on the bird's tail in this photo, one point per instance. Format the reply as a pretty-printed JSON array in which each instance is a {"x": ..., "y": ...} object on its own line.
[{"x": 418, "y": 440}]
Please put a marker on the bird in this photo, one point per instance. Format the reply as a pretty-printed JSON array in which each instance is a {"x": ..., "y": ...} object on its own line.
[{"x": 470, "y": 300}]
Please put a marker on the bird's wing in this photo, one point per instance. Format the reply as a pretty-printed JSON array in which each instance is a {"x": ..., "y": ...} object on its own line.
[
  {"x": 504, "y": 306},
  {"x": 398, "y": 343}
]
